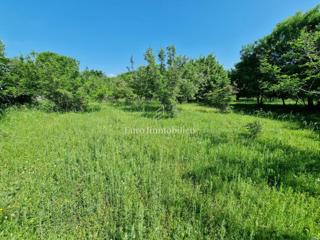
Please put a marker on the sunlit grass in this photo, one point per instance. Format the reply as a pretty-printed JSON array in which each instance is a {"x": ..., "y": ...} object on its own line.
[{"x": 80, "y": 176}]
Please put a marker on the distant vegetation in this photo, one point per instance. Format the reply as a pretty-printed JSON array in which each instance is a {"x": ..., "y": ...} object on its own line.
[
  {"x": 50, "y": 81},
  {"x": 55, "y": 83},
  {"x": 178, "y": 79},
  {"x": 283, "y": 65}
]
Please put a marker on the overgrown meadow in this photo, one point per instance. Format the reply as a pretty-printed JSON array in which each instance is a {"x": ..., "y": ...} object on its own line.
[
  {"x": 172, "y": 149},
  {"x": 84, "y": 176}
]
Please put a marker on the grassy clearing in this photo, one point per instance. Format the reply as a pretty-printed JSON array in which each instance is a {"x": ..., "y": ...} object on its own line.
[{"x": 79, "y": 176}]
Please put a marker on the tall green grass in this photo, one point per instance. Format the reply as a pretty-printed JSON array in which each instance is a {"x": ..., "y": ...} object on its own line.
[{"x": 82, "y": 176}]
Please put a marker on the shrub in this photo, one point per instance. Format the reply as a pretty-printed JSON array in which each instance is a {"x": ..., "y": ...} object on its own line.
[
  {"x": 253, "y": 129},
  {"x": 122, "y": 90},
  {"x": 170, "y": 108},
  {"x": 46, "y": 105},
  {"x": 220, "y": 98},
  {"x": 93, "y": 107},
  {"x": 68, "y": 101}
]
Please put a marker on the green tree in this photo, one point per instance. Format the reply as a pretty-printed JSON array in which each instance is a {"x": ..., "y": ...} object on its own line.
[
  {"x": 3, "y": 70},
  {"x": 60, "y": 82},
  {"x": 146, "y": 80},
  {"x": 305, "y": 52},
  {"x": 247, "y": 75},
  {"x": 121, "y": 87},
  {"x": 170, "y": 82},
  {"x": 151, "y": 76},
  {"x": 22, "y": 80},
  {"x": 214, "y": 81},
  {"x": 176, "y": 78},
  {"x": 189, "y": 82},
  {"x": 95, "y": 85},
  {"x": 162, "y": 60},
  {"x": 284, "y": 64}
]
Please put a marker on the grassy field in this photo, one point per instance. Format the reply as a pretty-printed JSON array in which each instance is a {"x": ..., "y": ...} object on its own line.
[{"x": 95, "y": 176}]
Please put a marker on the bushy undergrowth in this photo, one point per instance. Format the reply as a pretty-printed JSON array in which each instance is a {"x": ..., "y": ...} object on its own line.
[
  {"x": 253, "y": 129},
  {"x": 90, "y": 176}
]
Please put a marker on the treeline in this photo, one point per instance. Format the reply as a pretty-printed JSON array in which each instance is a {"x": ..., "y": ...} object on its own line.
[
  {"x": 284, "y": 64},
  {"x": 169, "y": 79},
  {"x": 49, "y": 81},
  {"x": 54, "y": 82}
]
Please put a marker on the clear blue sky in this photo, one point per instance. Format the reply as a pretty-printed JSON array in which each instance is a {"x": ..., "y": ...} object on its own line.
[{"x": 104, "y": 34}]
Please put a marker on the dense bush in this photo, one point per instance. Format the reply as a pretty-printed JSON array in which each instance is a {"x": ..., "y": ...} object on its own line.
[
  {"x": 50, "y": 81},
  {"x": 120, "y": 88},
  {"x": 219, "y": 98},
  {"x": 95, "y": 85},
  {"x": 253, "y": 129},
  {"x": 68, "y": 101}
]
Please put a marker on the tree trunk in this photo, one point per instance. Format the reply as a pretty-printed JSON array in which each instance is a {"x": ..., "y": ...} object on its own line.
[
  {"x": 310, "y": 102},
  {"x": 283, "y": 102},
  {"x": 259, "y": 100}
]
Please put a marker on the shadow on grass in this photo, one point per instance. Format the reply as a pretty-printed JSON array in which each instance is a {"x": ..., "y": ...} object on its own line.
[
  {"x": 304, "y": 117},
  {"x": 297, "y": 169},
  {"x": 220, "y": 220},
  {"x": 282, "y": 166},
  {"x": 291, "y": 168}
]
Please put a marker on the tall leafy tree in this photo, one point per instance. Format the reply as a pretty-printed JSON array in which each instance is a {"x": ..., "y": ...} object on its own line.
[
  {"x": 170, "y": 83},
  {"x": 284, "y": 64},
  {"x": 214, "y": 81},
  {"x": 305, "y": 53},
  {"x": 22, "y": 79},
  {"x": 189, "y": 82},
  {"x": 60, "y": 81},
  {"x": 246, "y": 76},
  {"x": 162, "y": 60}
]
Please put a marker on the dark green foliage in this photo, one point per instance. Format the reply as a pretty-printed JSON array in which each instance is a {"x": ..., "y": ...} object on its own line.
[
  {"x": 60, "y": 82},
  {"x": 284, "y": 64},
  {"x": 69, "y": 101},
  {"x": 50, "y": 81},
  {"x": 212, "y": 78},
  {"x": 246, "y": 74},
  {"x": 170, "y": 81},
  {"x": 22, "y": 80},
  {"x": 253, "y": 129},
  {"x": 189, "y": 83},
  {"x": 219, "y": 97}
]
